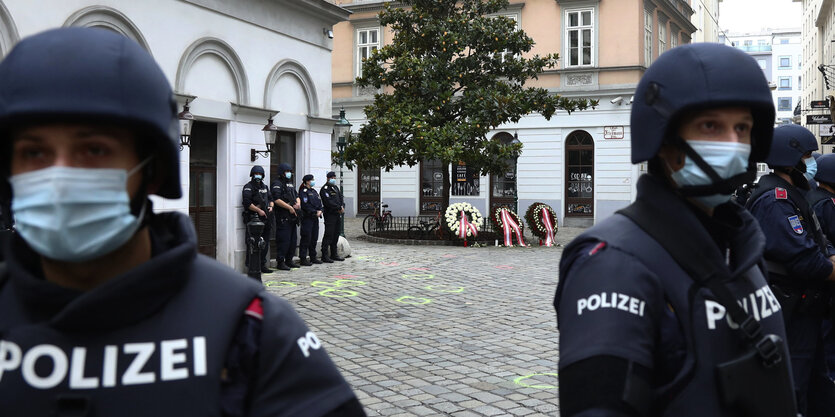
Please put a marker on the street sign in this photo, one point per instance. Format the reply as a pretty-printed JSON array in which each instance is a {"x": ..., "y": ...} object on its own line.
[
  {"x": 818, "y": 119},
  {"x": 820, "y": 104},
  {"x": 612, "y": 132},
  {"x": 825, "y": 130}
]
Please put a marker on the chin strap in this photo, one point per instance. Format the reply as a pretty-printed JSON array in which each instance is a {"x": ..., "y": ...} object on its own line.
[{"x": 720, "y": 185}]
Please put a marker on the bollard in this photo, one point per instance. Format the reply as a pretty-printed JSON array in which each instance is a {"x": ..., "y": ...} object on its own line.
[{"x": 254, "y": 245}]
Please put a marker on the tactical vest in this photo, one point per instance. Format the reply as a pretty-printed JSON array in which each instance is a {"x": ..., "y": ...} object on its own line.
[
  {"x": 167, "y": 364},
  {"x": 710, "y": 338}
]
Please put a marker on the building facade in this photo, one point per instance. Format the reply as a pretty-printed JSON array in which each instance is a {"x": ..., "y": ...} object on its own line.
[
  {"x": 706, "y": 20},
  {"x": 236, "y": 64},
  {"x": 579, "y": 163},
  {"x": 818, "y": 67}
]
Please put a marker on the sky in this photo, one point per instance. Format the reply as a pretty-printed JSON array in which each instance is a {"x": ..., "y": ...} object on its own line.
[{"x": 753, "y": 15}]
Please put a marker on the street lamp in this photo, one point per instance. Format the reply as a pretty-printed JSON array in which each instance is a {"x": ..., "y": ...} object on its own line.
[
  {"x": 186, "y": 120},
  {"x": 515, "y": 141},
  {"x": 341, "y": 128},
  {"x": 270, "y": 132}
]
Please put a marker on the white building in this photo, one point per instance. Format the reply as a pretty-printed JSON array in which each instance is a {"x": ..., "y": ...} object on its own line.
[
  {"x": 706, "y": 20},
  {"x": 238, "y": 62}
]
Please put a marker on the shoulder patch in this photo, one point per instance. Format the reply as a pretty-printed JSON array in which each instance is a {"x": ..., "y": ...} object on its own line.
[
  {"x": 255, "y": 309},
  {"x": 597, "y": 248},
  {"x": 833, "y": 200},
  {"x": 794, "y": 221},
  {"x": 781, "y": 193}
]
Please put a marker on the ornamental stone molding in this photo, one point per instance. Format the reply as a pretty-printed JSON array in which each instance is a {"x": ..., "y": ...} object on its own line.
[
  {"x": 297, "y": 70},
  {"x": 222, "y": 50},
  {"x": 107, "y": 18},
  {"x": 579, "y": 79}
]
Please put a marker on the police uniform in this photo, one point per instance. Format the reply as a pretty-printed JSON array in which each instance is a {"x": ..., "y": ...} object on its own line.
[
  {"x": 157, "y": 343},
  {"x": 309, "y": 229},
  {"x": 797, "y": 254},
  {"x": 660, "y": 305},
  {"x": 257, "y": 193},
  {"x": 286, "y": 232},
  {"x": 332, "y": 200}
]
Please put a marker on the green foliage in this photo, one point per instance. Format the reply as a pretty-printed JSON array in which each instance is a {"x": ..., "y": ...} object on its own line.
[{"x": 451, "y": 75}]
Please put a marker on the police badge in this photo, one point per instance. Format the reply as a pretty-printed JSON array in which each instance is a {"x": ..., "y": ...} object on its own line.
[{"x": 794, "y": 221}]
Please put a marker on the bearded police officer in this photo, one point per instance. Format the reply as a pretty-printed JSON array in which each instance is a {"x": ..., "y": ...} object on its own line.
[
  {"x": 663, "y": 308},
  {"x": 287, "y": 217},
  {"x": 106, "y": 308},
  {"x": 258, "y": 205},
  {"x": 334, "y": 207},
  {"x": 798, "y": 261},
  {"x": 311, "y": 212}
]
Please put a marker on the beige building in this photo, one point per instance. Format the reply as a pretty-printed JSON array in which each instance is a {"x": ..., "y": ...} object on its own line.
[
  {"x": 579, "y": 164},
  {"x": 706, "y": 19},
  {"x": 818, "y": 70}
]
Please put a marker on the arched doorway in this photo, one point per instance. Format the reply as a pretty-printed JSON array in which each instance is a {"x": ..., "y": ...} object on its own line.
[
  {"x": 503, "y": 191},
  {"x": 579, "y": 175}
]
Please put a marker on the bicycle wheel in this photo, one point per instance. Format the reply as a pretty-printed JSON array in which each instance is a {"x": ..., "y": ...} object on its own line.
[
  {"x": 415, "y": 232},
  {"x": 366, "y": 223},
  {"x": 434, "y": 232}
]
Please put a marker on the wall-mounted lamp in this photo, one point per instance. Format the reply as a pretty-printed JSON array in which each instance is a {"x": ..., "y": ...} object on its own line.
[
  {"x": 186, "y": 120},
  {"x": 270, "y": 132},
  {"x": 328, "y": 33}
]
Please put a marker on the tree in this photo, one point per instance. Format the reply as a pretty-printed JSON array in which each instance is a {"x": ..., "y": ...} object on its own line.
[{"x": 451, "y": 74}]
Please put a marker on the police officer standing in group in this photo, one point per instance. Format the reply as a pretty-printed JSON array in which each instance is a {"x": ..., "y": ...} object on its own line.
[
  {"x": 258, "y": 205},
  {"x": 311, "y": 212},
  {"x": 822, "y": 198},
  {"x": 287, "y": 217},
  {"x": 649, "y": 299},
  {"x": 106, "y": 307},
  {"x": 334, "y": 207},
  {"x": 798, "y": 259}
]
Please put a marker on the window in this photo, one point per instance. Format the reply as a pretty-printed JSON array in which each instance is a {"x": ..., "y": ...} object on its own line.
[
  {"x": 785, "y": 62},
  {"x": 432, "y": 186},
  {"x": 673, "y": 39},
  {"x": 761, "y": 62},
  {"x": 784, "y": 104},
  {"x": 748, "y": 42},
  {"x": 514, "y": 18},
  {"x": 647, "y": 38},
  {"x": 580, "y": 34},
  {"x": 761, "y": 42},
  {"x": 784, "y": 41},
  {"x": 785, "y": 83},
  {"x": 368, "y": 41},
  {"x": 662, "y": 37}
]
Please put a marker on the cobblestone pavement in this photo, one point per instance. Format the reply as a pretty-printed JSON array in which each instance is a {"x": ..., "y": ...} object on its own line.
[{"x": 433, "y": 331}]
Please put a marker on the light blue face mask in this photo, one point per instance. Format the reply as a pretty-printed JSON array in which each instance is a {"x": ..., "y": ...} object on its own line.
[
  {"x": 312, "y": 183},
  {"x": 74, "y": 214},
  {"x": 288, "y": 175},
  {"x": 257, "y": 177},
  {"x": 332, "y": 181},
  {"x": 726, "y": 158},
  {"x": 811, "y": 168}
]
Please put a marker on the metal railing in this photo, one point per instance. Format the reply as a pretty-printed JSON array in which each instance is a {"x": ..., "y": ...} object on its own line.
[{"x": 398, "y": 228}]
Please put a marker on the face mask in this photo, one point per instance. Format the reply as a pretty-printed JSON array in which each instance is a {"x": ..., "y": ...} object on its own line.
[
  {"x": 332, "y": 181},
  {"x": 257, "y": 177},
  {"x": 312, "y": 183},
  {"x": 726, "y": 158},
  {"x": 811, "y": 168},
  {"x": 74, "y": 214},
  {"x": 288, "y": 175}
]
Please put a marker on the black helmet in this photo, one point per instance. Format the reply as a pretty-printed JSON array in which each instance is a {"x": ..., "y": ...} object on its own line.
[
  {"x": 826, "y": 169},
  {"x": 694, "y": 77},
  {"x": 257, "y": 169},
  {"x": 91, "y": 75},
  {"x": 790, "y": 143},
  {"x": 284, "y": 167}
]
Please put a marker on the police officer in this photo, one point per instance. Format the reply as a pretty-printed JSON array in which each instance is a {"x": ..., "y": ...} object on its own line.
[
  {"x": 258, "y": 205},
  {"x": 822, "y": 198},
  {"x": 334, "y": 207},
  {"x": 106, "y": 308},
  {"x": 287, "y": 217},
  {"x": 648, "y": 299},
  {"x": 797, "y": 256},
  {"x": 311, "y": 212}
]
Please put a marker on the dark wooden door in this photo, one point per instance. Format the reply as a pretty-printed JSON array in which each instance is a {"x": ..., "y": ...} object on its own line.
[
  {"x": 579, "y": 175},
  {"x": 202, "y": 199},
  {"x": 368, "y": 190}
]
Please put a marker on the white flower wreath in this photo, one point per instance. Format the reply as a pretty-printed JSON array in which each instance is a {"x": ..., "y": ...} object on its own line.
[
  {"x": 453, "y": 217},
  {"x": 538, "y": 226}
]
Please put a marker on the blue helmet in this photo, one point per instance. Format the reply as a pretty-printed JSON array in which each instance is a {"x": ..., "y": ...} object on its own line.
[
  {"x": 91, "y": 75},
  {"x": 826, "y": 169},
  {"x": 257, "y": 169},
  {"x": 695, "y": 77},
  {"x": 790, "y": 143},
  {"x": 284, "y": 167}
]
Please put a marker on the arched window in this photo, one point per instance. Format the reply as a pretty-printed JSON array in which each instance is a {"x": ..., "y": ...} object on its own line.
[{"x": 579, "y": 174}]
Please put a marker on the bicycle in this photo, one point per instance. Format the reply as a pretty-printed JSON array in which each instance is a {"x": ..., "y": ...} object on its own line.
[
  {"x": 426, "y": 228},
  {"x": 377, "y": 220}
]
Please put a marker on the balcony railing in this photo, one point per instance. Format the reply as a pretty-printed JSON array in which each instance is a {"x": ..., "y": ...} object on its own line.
[{"x": 755, "y": 48}]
